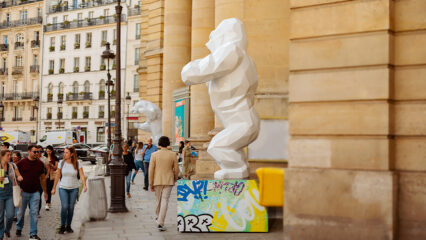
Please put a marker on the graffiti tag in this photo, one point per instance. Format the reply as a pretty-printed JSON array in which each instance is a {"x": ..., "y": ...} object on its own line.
[
  {"x": 199, "y": 190},
  {"x": 235, "y": 188},
  {"x": 193, "y": 223}
]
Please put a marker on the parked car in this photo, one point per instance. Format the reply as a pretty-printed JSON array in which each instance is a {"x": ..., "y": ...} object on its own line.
[
  {"x": 83, "y": 152},
  {"x": 100, "y": 152}
]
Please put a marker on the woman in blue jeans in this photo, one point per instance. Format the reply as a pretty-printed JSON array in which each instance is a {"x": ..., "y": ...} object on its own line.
[
  {"x": 6, "y": 192},
  {"x": 68, "y": 174},
  {"x": 130, "y": 165}
]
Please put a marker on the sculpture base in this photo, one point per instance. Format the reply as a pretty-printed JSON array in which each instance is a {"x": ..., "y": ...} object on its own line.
[{"x": 220, "y": 206}]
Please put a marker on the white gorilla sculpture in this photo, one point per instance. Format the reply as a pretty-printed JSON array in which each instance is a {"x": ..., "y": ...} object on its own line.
[
  {"x": 153, "y": 118},
  {"x": 231, "y": 77}
]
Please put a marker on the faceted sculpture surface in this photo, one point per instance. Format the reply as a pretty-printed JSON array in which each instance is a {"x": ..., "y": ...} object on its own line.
[
  {"x": 153, "y": 118},
  {"x": 231, "y": 77}
]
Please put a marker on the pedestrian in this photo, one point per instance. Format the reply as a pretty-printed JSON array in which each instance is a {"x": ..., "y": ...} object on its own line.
[
  {"x": 69, "y": 172},
  {"x": 9, "y": 177},
  {"x": 45, "y": 162},
  {"x": 187, "y": 167},
  {"x": 132, "y": 148},
  {"x": 51, "y": 167},
  {"x": 16, "y": 157},
  {"x": 6, "y": 146},
  {"x": 32, "y": 170},
  {"x": 181, "y": 146},
  {"x": 130, "y": 165},
  {"x": 138, "y": 161},
  {"x": 163, "y": 173},
  {"x": 146, "y": 153}
]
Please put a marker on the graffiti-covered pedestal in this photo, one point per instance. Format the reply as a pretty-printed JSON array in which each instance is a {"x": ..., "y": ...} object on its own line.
[{"x": 220, "y": 206}]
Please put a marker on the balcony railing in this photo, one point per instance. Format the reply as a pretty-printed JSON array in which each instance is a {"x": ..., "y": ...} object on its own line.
[
  {"x": 17, "y": 70},
  {"x": 82, "y": 23},
  {"x": 134, "y": 11},
  {"x": 78, "y": 96},
  {"x": 35, "y": 43},
  {"x": 19, "y": 96},
  {"x": 87, "y": 4},
  {"x": 22, "y": 22},
  {"x": 4, "y": 47},
  {"x": 16, "y": 119},
  {"x": 19, "y": 45},
  {"x": 3, "y": 71},
  {"x": 9, "y": 3},
  {"x": 35, "y": 68}
]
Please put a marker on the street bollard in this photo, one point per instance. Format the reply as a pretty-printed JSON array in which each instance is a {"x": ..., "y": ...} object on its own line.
[
  {"x": 100, "y": 166},
  {"x": 97, "y": 207}
]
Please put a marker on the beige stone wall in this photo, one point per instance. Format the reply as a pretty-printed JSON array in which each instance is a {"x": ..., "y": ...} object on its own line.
[
  {"x": 151, "y": 59},
  {"x": 357, "y": 120}
]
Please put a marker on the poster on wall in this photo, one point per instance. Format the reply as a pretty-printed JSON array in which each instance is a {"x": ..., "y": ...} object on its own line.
[
  {"x": 220, "y": 206},
  {"x": 179, "y": 121}
]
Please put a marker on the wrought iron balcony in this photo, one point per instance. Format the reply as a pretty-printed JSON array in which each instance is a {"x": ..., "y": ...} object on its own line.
[
  {"x": 82, "y": 23},
  {"x": 22, "y": 22},
  {"x": 19, "y": 96},
  {"x": 9, "y": 3},
  {"x": 35, "y": 43},
  {"x": 4, "y": 47},
  {"x": 35, "y": 68},
  {"x": 17, "y": 70},
  {"x": 79, "y": 96},
  {"x": 134, "y": 11},
  {"x": 15, "y": 119},
  {"x": 19, "y": 45},
  {"x": 87, "y": 4},
  {"x": 3, "y": 71}
]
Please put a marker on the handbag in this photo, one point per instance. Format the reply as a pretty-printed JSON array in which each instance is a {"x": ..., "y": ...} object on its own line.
[{"x": 17, "y": 197}]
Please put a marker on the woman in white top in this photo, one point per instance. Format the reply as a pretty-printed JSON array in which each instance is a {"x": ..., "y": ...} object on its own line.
[
  {"x": 138, "y": 161},
  {"x": 68, "y": 179}
]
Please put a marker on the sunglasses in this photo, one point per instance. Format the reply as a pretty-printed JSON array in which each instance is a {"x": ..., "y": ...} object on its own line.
[{"x": 37, "y": 151}]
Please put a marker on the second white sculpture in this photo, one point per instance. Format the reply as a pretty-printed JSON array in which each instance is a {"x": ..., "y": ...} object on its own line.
[
  {"x": 231, "y": 77},
  {"x": 152, "y": 114}
]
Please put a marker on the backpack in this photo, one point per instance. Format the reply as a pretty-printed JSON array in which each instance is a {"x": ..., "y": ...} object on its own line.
[{"x": 78, "y": 168}]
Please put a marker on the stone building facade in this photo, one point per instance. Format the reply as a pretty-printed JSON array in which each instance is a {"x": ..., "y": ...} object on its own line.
[
  {"x": 349, "y": 76},
  {"x": 20, "y": 59}
]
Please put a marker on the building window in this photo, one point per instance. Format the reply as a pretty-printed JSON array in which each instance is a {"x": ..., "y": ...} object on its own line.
[
  {"x": 104, "y": 38},
  {"x": 19, "y": 61},
  {"x": 24, "y": 16},
  {"x": 18, "y": 113},
  {"x": 136, "y": 83},
  {"x": 39, "y": 12},
  {"x": 76, "y": 64},
  {"x": 88, "y": 63},
  {"x": 49, "y": 113},
  {"x": 80, "y": 16},
  {"x": 74, "y": 112},
  {"x": 35, "y": 60},
  {"x": 65, "y": 18},
  {"x": 37, "y": 35},
  {"x": 62, "y": 65},
  {"x": 101, "y": 111},
  {"x": 88, "y": 40},
  {"x": 75, "y": 87},
  {"x": 138, "y": 31},
  {"x": 90, "y": 15},
  {"x": 52, "y": 44},
  {"x": 19, "y": 37},
  {"x": 106, "y": 12},
  {"x": 77, "y": 38},
  {"x": 86, "y": 112},
  {"x": 114, "y": 36},
  {"x": 55, "y": 20},
  {"x": 100, "y": 134},
  {"x": 86, "y": 86},
  {"x": 8, "y": 17},
  {"x": 51, "y": 66},
  {"x": 63, "y": 42},
  {"x": 137, "y": 54}
]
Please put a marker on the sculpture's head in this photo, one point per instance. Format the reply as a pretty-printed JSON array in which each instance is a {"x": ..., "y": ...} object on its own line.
[
  {"x": 149, "y": 109},
  {"x": 229, "y": 31}
]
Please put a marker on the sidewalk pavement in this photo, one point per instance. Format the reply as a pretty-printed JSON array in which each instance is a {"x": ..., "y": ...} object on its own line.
[{"x": 139, "y": 223}]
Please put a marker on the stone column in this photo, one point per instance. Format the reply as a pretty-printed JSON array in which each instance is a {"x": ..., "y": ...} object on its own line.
[
  {"x": 341, "y": 183},
  {"x": 177, "y": 52},
  {"x": 202, "y": 116}
]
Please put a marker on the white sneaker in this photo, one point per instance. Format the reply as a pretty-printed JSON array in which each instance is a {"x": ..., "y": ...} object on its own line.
[
  {"x": 161, "y": 228},
  {"x": 47, "y": 207}
]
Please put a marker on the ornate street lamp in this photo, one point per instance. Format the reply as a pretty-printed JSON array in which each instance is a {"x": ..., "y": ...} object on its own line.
[
  {"x": 1, "y": 113},
  {"x": 128, "y": 101},
  {"x": 118, "y": 167},
  {"x": 108, "y": 55},
  {"x": 35, "y": 108},
  {"x": 59, "y": 116}
]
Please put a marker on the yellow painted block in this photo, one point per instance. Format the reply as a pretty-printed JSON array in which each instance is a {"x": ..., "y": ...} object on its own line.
[{"x": 271, "y": 186}]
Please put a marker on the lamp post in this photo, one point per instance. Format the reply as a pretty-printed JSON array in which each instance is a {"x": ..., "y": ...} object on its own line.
[
  {"x": 1, "y": 113},
  {"x": 35, "y": 107},
  {"x": 59, "y": 115},
  {"x": 108, "y": 55},
  {"x": 118, "y": 167},
  {"x": 128, "y": 101}
]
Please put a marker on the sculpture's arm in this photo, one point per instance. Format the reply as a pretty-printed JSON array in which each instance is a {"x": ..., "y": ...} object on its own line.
[{"x": 215, "y": 65}]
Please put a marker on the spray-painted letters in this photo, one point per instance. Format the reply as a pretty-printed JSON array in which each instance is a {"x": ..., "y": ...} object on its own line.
[{"x": 220, "y": 206}]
